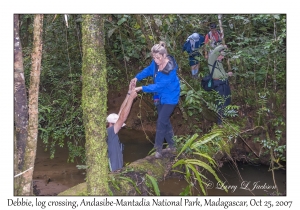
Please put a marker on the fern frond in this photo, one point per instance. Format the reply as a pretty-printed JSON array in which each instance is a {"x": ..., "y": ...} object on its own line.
[
  {"x": 187, "y": 144},
  {"x": 154, "y": 184},
  {"x": 200, "y": 182},
  {"x": 132, "y": 182}
]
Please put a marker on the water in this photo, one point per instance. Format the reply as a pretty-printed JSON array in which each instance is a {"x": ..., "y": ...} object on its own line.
[
  {"x": 136, "y": 144},
  {"x": 52, "y": 176},
  {"x": 253, "y": 180}
]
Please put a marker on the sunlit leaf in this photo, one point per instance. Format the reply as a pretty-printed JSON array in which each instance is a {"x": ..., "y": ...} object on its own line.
[{"x": 121, "y": 21}]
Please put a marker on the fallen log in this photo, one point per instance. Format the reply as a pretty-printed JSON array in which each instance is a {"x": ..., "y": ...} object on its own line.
[{"x": 133, "y": 178}]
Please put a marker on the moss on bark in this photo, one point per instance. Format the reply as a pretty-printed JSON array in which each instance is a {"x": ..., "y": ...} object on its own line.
[{"x": 94, "y": 99}]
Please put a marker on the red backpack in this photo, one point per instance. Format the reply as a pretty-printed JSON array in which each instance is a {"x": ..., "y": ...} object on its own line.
[{"x": 211, "y": 37}]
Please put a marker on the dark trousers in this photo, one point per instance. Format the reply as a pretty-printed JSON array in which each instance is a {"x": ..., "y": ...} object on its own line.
[
  {"x": 223, "y": 88},
  {"x": 164, "y": 129}
]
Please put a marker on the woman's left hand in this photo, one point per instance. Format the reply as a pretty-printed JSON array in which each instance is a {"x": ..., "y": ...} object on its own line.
[{"x": 230, "y": 73}]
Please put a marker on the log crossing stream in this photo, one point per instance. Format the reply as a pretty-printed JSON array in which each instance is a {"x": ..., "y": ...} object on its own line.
[{"x": 52, "y": 176}]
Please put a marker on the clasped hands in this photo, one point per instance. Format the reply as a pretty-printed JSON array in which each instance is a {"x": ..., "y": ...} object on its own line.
[
  {"x": 132, "y": 89},
  {"x": 133, "y": 85}
]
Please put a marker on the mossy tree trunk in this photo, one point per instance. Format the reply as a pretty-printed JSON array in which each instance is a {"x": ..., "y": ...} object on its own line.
[
  {"x": 36, "y": 57},
  {"x": 20, "y": 107},
  {"x": 94, "y": 99}
]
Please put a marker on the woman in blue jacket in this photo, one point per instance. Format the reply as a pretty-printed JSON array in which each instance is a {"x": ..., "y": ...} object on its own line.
[{"x": 166, "y": 91}]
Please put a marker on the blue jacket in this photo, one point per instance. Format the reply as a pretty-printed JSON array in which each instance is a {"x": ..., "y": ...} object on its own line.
[{"x": 166, "y": 83}]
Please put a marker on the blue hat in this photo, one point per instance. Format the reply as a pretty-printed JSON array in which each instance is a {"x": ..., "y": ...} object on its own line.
[{"x": 212, "y": 26}]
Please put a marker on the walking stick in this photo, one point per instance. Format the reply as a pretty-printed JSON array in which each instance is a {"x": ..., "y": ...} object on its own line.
[
  {"x": 221, "y": 28},
  {"x": 223, "y": 40}
]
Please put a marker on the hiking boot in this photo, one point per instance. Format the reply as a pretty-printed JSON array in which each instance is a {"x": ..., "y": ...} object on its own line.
[{"x": 158, "y": 155}]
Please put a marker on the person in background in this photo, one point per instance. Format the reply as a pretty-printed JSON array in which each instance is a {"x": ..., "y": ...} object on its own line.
[
  {"x": 212, "y": 39},
  {"x": 221, "y": 83},
  {"x": 166, "y": 91},
  {"x": 191, "y": 46},
  {"x": 115, "y": 122}
]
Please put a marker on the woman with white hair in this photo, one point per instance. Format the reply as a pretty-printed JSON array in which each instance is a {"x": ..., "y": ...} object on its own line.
[{"x": 166, "y": 91}]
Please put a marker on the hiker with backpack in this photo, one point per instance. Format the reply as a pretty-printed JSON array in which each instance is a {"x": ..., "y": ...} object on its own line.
[
  {"x": 220, "y": 77},
  {"x": 191, "y": 46},
  {"x": 212, "y": 39},
  {"x": 166, "y": 91}
]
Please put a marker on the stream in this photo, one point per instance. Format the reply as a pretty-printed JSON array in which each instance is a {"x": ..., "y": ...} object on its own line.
[{"x": 52, "y": 176}]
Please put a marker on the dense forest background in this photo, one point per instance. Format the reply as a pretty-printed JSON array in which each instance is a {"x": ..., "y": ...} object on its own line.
[{"x": 256, "y": 55}]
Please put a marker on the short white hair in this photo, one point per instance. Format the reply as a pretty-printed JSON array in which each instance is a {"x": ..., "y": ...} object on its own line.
[{"x": 113, "y": 118}]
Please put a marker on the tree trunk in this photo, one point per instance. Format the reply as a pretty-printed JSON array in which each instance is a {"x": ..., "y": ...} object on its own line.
[
  {"x": 137, "y": 172},
  {"x": 36, "y": 58},
  {"x": 94, "y": 103},
  {"x": 223, "y": 39},
  {"x": 20, "y": 107},
  {"x": 143, "y": 28}
]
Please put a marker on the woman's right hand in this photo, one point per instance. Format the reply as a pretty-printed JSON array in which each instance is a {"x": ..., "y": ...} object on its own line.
[{"x": 137, "y": 89}]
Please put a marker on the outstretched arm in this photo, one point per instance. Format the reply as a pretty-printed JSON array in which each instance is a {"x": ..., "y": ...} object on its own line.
[
  {"x": 130, "y": 89},
  {"x": 125, "y": 107}
]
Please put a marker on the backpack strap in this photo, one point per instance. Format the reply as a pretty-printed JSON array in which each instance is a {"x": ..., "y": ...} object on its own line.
[
  {"x": 220, "y": 70},
  {"x": 213, "y": 68}
]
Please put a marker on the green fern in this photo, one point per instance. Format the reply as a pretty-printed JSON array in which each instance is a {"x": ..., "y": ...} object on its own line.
[
  {"x": 187, "y": 144},
  {"x": 132, "y": 182},
  {"x": 207, "y": 167},
  {"x": 207, "y": 157},
  {"x": 207, "y": 138},
  {"x": 114, "y": 183},
  {"x": 154, "y": 184},
  {"x": 211, "y": 142},
  {"x": 197, "y": 174}
]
